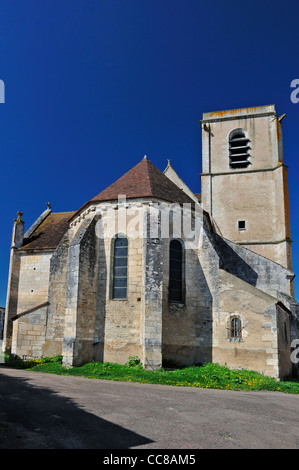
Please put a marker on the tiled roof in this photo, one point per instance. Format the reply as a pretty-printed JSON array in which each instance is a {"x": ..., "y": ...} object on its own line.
[
  {"x": 49, "y": 233},
  {"x": 143, "y": 181}
]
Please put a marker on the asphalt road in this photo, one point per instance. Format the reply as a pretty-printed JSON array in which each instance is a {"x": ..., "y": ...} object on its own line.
[{"x": 44, "y": 411}]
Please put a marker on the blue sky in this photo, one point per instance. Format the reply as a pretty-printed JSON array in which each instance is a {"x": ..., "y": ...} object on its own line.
[{"x": 93, "y": 85}]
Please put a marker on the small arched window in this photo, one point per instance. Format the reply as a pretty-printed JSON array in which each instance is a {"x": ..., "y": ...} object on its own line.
[
  {"x": 238, "y": 149},
  {"x": 235, "y": 329},
  {"x": 176, "y": 274},
  {"x": 120, "y": 268}
]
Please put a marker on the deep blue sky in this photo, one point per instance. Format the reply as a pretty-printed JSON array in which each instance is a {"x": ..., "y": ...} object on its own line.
[{"x": 93, "y": 85}]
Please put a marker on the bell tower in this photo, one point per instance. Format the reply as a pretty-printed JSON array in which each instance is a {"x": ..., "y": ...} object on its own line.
[{"x": 244, "y": 180}]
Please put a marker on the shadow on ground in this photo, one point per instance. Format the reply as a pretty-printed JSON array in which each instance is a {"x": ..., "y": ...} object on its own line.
[{"x": 37, "y": 418}]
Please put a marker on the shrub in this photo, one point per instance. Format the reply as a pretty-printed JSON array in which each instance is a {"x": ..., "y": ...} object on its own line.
[{"x": 133, "y": 361}]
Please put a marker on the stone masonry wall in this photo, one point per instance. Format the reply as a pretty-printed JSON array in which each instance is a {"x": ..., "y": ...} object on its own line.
[
  {"x": 72, "y": 341},
  {"x": 153, "y": 260},
  {"x": 33, "y": 285},
  {"x": 29, "y": 334},
  {"x": 119, "y": 322},
  {"x": 258, "y": 348},
  {"x": 57, "y": 299},
  {"x": 12, "y": 299},
  {"x": 187, "y": 326},
  {"x": 252, "y": 268},
  {"x": 98, "y": 327},
  {"x": 284, "y": 341},
  {"x": 87, "y": 295}
]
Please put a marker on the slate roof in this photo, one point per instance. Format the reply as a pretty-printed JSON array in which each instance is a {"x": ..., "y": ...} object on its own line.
[
  {"x": 49, "y": 233},
  {"x": 144, "y": 180}
]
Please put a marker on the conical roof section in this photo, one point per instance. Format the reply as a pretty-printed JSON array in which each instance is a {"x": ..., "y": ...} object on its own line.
[{"x": 144, "y": 180}]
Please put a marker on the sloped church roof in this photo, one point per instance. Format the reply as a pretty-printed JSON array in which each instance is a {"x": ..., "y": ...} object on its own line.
[
  {"x": 49, "y": 233},
  {"x": 144, "y": 180}
]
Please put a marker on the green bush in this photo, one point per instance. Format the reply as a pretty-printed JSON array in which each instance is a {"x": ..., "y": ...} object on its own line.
[{"x": 133, "y": 361}]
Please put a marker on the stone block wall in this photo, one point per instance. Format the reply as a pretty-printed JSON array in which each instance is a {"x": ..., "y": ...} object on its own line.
[
  {"x": 258, "y": 193},
  {"x": 119, "y": 322},
  {"x": 284, "y": 341},
  {"x": 2, "y": 317},
  {"x": 83, "y": 322},
  {"x": 33, "y": 286},
  {"x": 29, "y": 334},
  {"x": 28, "y": 287},
  {"x": 57, "y": 299},
  {"x": 12, "y": 299},
  {"x": 74, "y": 334},
  {"x": 187, "y": 326},
  {"x": 262, "y": 324},
  {"x": 98, "y": 327},
  {"x": 152, "y": 266},
  {"x": 255, "y": 269}
]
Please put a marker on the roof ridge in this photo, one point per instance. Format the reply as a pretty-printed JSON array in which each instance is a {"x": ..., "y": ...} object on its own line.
[
  {"x": 149, "y": 174},
  {"x": 37, "y": 223},
  {"x": 63, "y": 212},
  {"x": 168, "y": 181}
]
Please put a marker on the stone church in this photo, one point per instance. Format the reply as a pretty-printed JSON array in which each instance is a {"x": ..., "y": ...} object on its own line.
[{"x": 148, "y": 268}]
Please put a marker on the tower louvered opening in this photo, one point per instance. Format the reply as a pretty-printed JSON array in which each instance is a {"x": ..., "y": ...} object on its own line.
[{"x": 239, "y": 150}]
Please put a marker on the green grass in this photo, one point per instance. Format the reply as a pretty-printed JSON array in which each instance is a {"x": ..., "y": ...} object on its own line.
[{"x": 206, "y": 376}]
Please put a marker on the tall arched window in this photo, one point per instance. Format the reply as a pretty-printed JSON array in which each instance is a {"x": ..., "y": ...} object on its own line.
[
  {"x": 176, "y": 274},
  {"x": 120, "y": 268},
  {"x": 238, "y": 149}
]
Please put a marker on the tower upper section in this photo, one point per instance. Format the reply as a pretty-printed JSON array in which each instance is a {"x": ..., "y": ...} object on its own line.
[
  {"x": 241, "y": 139},
  {"x": 244, "y": 180}
]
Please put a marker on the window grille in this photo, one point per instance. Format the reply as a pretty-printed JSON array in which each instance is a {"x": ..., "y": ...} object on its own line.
[{"x": 236, "y": 328}]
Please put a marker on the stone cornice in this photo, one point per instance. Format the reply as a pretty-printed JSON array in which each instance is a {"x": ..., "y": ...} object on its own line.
[{"x": 237, "y": 172}]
